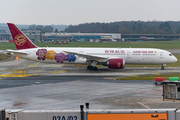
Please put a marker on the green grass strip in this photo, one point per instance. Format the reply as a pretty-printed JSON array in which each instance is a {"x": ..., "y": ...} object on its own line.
[
  {"x": 149, "y": 77},
  {"x": 144, "y": 44}
]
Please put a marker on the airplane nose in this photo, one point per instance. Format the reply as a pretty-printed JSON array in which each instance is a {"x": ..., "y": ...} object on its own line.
[{"x": 175, "y": 59}]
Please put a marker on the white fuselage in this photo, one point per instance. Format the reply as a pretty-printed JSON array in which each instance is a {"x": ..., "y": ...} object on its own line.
[{"x": 130, "y": 55}]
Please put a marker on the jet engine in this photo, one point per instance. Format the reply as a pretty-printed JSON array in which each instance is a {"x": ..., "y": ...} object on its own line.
[{"x": 116, "y": 63}]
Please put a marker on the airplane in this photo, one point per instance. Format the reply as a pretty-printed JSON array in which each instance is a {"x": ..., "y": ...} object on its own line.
[{"x": 114, "y": 58}]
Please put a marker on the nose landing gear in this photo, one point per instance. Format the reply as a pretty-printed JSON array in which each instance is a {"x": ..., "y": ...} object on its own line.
[{"x": 162, "y": 68}]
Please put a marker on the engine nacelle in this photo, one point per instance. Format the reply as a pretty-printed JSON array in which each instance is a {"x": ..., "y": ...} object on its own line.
[{"x": 116, "y": 63}]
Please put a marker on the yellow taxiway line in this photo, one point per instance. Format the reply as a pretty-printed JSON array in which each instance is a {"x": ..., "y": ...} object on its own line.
[
  {"x": 16, "y": 75},
  {"x": 58, "y": 72},
  {"x": 156, "y": 73}
]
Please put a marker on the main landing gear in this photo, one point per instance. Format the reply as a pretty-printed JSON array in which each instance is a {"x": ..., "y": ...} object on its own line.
[{"x": 91, "y": 68}]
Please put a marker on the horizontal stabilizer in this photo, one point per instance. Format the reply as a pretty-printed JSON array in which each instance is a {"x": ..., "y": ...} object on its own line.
[{"x": 16, "y": 52}]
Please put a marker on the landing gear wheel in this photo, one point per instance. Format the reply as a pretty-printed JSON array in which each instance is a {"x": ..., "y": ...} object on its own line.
[
  {"x": 162, "y": 68},
  {"x": 91, "y": 68},
  {"x": 95, "y": 68},
  {"x": 88, "y": 67}
]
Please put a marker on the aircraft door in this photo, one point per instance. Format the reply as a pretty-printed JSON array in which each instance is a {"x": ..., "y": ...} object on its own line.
[
  {"x": 128, "y": 54},
  {"x": 161, "y": 55}
]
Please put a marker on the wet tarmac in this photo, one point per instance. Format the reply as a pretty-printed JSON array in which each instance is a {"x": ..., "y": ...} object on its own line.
[{"x": 33, "y": 85}]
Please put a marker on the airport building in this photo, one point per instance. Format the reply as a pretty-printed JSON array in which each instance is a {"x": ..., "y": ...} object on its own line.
[
  {"x": 4, "y": 35},
  {"x": 88, "y": 37},
  {"x": 37, "y": 36},
  {"x": 93, "y": 37},
  {"x": 150, "y": 37}
]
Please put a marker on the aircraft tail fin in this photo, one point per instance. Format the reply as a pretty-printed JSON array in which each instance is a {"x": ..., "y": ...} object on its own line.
[{"x": 21, "y": 40}]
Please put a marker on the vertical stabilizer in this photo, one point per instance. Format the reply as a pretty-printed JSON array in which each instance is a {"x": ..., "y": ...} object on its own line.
[{"x": 21, "y": 41}]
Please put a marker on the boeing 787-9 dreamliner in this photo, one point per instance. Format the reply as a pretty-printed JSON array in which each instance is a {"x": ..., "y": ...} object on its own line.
[{"x": 114, "y": 58}]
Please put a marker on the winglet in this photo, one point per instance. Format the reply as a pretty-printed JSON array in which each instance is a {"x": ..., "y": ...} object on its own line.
[{"x": 21, "y": 41}]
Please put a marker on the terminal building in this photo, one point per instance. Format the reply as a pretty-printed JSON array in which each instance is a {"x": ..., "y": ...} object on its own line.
[
  {"x": 34, "y": 36},
  {"x": 38, "y": 36},
  {"x": 74, "y": 37},
  {"x": 150, "y": 37},
  {"x": 4, "y": 35}
]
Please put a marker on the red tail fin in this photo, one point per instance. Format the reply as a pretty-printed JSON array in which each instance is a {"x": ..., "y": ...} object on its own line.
[{"x": 21, "y": 41}]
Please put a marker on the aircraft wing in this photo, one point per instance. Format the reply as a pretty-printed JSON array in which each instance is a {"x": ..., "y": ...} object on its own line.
[
  {"x": 16, "y": 52},
  {"x": 87, "y": 56},
  {"x": 2, "y": 51}
]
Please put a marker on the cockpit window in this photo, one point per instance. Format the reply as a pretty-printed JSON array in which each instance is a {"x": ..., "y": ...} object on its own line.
[{"x": 170, "y": 54}]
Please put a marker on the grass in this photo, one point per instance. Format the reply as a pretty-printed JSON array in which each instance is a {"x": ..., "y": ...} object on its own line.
[
  {"x": 150, "y": 77},
  {"x": 145, "y": 44},
  {"x": 4, "y": 57},
  {"x": 159, "y": 44},
  {"x": 4, "y": 46}
]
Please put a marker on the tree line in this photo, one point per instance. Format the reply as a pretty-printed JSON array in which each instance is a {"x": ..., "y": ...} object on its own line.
[
  {"x": 128, "y": 27},
  {"x": 47, "y": 28},
  {"x": 42, "y": 28}
]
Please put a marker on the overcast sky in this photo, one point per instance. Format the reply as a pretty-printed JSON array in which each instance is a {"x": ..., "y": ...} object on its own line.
[{"x": 74, "y": 12}]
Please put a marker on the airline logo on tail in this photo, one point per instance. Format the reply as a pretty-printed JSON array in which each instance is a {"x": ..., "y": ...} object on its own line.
[{"x": 20, "y": 40}]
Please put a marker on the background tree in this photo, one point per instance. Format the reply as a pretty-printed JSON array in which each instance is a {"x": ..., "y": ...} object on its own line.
[
  {"x": 32, "y": 27},
  {"x": 165, "y": 27},
  {"x": 128, "y": 27},
  {"x": 56, "y": 31},
  {"x": 48, "y": 29},
  {"x": 123, "y": 30},
  {"x": 178, "y": 30},
  {"x": 39, "y": 27},
  {"x": 138, "y": 28}
]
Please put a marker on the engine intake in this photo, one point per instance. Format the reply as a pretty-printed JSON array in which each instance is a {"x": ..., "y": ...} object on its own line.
[{"x": 116, "y": 63}]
